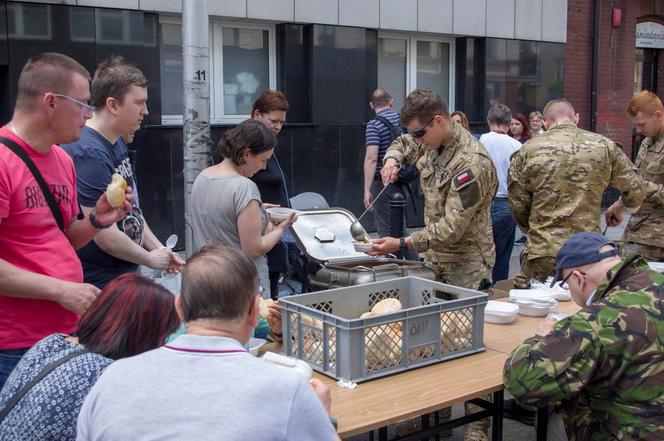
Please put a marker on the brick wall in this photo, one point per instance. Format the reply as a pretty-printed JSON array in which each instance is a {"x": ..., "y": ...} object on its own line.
[
  {"x": 578, "y": 57},
  {"x": 615, "y": 73}
]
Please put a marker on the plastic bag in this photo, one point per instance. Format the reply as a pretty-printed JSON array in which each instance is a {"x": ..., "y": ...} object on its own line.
[{"x": 172, "y": 282}]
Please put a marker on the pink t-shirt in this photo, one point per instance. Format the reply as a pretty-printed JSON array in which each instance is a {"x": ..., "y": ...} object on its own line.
[{"x": 31, "y": 240}]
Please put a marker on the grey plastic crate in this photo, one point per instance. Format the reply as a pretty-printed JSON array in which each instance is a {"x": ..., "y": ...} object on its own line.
[{"x": 438, "y": 322}]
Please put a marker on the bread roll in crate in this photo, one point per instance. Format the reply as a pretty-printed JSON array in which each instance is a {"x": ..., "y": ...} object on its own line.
[{"x": 368, "y": 331}]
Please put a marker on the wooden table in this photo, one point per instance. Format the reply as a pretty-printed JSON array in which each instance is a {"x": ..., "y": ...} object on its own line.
[
  {"x": 504, "y": 338},
  {"x": 377, "y": 403}
]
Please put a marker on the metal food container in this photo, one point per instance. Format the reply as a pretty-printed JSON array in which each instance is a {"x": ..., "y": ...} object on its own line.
[
  {"x": 438, "y": 322},
  {"x": 324, "y": 237}
]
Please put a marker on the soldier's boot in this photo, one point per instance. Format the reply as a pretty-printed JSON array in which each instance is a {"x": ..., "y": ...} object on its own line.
[{"x": 478, "y": 430}]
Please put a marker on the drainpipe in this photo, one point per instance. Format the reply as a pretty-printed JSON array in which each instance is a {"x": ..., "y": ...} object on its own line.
[{"x": 595, "y": 65}]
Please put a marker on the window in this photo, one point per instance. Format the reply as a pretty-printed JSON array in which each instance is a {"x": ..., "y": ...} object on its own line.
[
  {"x": 408, "y": 62},
  {"x": 242, "y": 65},
  {"x": 114, "y": 26},
  {"x": 392, "y": 72},
  {"x": 29, "y": 22}
]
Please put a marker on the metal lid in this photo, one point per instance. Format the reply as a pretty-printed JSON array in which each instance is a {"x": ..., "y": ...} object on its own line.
[{"x": 324, "y": 235}]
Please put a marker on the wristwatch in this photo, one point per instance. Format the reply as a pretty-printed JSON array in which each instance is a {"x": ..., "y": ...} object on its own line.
[
  {"x": 95, "y": 223},
  {"x": 402, "y": 244}
]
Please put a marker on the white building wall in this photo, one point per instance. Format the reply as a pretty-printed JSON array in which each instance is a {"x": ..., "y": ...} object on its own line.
[{"x": 538, "y": 20}]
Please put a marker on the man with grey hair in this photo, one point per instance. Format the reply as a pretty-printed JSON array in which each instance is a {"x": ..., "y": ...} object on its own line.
[
  {"x": 205, "y": 385},
  {"x": 555, "y": 185},
  {"x": 501, "y": 147}
]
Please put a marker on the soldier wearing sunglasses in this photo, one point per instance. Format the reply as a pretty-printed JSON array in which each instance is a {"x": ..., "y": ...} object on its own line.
[{"x": 459, "y": 183}]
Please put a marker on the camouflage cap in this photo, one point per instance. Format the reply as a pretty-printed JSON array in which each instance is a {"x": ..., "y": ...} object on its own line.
[{"x": 582, "y": 249}]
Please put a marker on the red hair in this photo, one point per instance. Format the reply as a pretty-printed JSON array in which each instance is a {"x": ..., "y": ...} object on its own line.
[
  {"x": 645, "y": 102},
  {"x": 131, "y": 315},
  {"x": 525, "y": 135}
]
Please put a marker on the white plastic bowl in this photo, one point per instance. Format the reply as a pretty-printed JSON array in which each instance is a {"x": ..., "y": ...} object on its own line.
[
  {"x": 535, "y": 309},
  {"x": 281, "y": 214},
  {"x": 254, "y": 345},
  {"x": 362, "y": 247},
  {"x": 540, "y": 295},
  {"x": 501, "y": 313}
]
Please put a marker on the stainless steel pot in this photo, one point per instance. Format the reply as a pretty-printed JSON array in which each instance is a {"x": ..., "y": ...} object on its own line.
[{"x": 324, "y": 237}]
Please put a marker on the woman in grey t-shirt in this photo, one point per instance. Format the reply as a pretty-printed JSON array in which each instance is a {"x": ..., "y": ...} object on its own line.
[{"x": 226, "y": 205}]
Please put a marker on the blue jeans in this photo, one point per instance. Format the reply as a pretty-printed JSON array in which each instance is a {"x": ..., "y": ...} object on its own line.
[
  {"x": 9, "y": 358},
  {"x": 504, "y": 230}
]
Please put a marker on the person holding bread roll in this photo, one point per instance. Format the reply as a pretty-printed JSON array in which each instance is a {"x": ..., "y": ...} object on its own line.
[
  {"x": 41, "y": 279},
  {"x": 226, "y": 206},
  {"x": 119, "y": 96}
]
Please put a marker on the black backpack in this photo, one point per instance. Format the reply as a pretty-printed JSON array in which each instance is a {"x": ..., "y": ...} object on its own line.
[{"x": 408, "y": 173}]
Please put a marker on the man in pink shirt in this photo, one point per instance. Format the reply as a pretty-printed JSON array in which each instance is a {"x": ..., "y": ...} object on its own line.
[{"x": 41, "y": 289}]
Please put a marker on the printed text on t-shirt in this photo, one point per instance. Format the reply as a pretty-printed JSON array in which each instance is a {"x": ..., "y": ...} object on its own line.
[{"x": 34, "y": 197}]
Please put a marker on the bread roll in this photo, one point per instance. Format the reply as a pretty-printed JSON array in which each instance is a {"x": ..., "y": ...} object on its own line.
[
  {"x": 367, "y": 315},
  {"x": 115, "y": 192},
  {"x": 383, "y": 346},
  {"x": 263, "y": 310},
  {"x": 386, "y": 306}
]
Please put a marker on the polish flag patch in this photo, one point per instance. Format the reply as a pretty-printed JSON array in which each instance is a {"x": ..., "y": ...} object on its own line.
[{"x": 463, "y": 178}]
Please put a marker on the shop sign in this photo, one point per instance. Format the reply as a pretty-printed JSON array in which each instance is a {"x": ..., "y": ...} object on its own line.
[{"x": 650, "y": 35}]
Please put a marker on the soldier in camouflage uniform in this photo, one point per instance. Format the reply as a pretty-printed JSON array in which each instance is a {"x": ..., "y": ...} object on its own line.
[
  {"x": 645, "y": 230},
  {"x": 555, "y": 187},
  {"x": 459, "y": 182},
  {"x": 601, "y": 368}
]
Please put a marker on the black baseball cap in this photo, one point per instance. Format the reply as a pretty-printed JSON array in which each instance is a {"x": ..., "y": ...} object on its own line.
[{"x": 582, "y": 249}]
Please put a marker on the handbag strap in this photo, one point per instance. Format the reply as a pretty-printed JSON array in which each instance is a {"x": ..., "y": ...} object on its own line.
[
  {"x": 43, "y": 373},
  {"x": 50, "y": 199}
]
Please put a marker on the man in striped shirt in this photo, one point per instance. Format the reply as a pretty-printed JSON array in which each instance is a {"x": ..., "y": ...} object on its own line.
[{"x": 378, "y": 138}]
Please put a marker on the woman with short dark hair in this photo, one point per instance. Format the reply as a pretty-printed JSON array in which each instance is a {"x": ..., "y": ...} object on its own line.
[
  {"x": 270, "y": 108},
  {"x": 226, "y": 206},
  {"x": 131, "y": 315}
]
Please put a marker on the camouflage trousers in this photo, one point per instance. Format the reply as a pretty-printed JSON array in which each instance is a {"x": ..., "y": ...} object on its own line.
[
  {"x": 539, "y": 268},
  {"x": 472, "y": 275},
  {"x": 649, "y": 252}
]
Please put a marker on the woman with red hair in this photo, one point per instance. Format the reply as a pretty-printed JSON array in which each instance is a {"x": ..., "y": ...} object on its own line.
[
  {"x": 44, "y": 393},
  {"x": 519, "y": 128}
]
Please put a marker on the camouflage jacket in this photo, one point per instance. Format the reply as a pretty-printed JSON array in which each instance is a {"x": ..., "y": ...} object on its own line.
[
  {"x": 459, "y": 182},
  {"x": 555, "y": 185},
  {"x": 647, "y": 225},
  {"x": 604, "y": 366}
]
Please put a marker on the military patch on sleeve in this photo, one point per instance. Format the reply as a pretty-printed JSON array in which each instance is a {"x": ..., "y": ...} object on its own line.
[
  {"x": 462, "y": 179},
  {"x": 465, "y": 183}
]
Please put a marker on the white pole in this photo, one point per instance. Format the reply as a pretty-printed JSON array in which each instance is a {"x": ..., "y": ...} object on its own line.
[{"x": 196, "y": 111}]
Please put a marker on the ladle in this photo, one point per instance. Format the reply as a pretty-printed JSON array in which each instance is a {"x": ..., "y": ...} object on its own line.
[{"x": 356, "y": 229}]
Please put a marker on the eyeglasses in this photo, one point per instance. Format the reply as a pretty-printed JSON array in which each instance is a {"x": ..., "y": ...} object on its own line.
[
  {"x": 87, "y": 108},
  {"x": 562, "y": 282},
  {"x": 419, "y": 133}
]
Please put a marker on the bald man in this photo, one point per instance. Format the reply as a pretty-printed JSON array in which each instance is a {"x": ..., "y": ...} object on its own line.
[{"x": 555, "y": 187}]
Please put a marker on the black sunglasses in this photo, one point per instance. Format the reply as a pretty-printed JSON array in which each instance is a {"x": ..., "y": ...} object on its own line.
[{"x": 422, "y": 131}]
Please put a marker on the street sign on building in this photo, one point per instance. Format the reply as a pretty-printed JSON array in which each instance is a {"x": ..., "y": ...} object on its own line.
[{"x": 650, "y": 35}]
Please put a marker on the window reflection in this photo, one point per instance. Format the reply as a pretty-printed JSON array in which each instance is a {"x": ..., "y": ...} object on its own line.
[
  {"x": 245, "y": 68},
  {"x": 433, "y": 67},
  {"x": 28, "y": 21},
  {"x": 170, "y": 47},
  {"x": 523, "y": 74},
  {"x": 392, "y": 68}
]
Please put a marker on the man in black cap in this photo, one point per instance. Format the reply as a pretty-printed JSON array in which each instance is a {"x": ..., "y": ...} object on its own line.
[{"x": 602, "y": 367}]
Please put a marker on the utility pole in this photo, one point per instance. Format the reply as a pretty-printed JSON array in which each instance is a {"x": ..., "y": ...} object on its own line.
[{"x": 196, "y": 111}]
